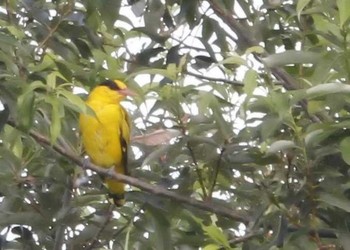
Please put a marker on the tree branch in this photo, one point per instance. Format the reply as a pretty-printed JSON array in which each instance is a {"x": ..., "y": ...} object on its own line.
[{"x": 154, "y": 189}]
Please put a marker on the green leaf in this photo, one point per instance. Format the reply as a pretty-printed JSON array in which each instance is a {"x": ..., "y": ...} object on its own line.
[
  {"x": 208, "y": 28},
  {"x": 77, "y": 103},
  {"x": 269, "y": 126},
  {"x": 216, "y": 234},
  {"x": 93, "y": 17},
  {"x": 156, "y": 154},
  {"x": 10, "y": 136},
  {"x": 16, "y": 32},
  {"x": 52, "y": 79},
  {"x": 22, "y": 218},
  {"x": 57, "y": 113},
  {"x": 212, "y": 247},
  {"x": 291, "y": 57},
  {"x": 7, "y": 39},
  {"x": 335, "y": 201},
  {"x": 17, "y": 147},
  {"x": 152, "y": 17},
  {"x": 234, "y": 59},
  {"x": 12, "y": 67},
  {"x": 172, "y": 71},
  {"x": 344, "y": 11},
  {"x": 86, "y": 234},
  {"x": 188, "y": 11},
  {"x": 109, "y": 12},
  {"x": 202, "y": 140},
  {"x": 280, "y": 145},
  {"x": 162, "y": 229},
  {"x": 345, "y": 149},
  {"x": 316, "y": 136},
  {"x": 315, "y": 106},
  {"x": 327, "y": 89},
  {"x": 47, "y": 62},
  {"x": 26, "y": 109},
  {"x": 255, "y": 49},
  {"x": 250, "y": 82},
  {"x": 224, "y": 127},
  {"x": 301, "y": 5}
]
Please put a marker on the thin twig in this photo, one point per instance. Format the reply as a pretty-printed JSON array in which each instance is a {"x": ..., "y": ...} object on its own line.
[
  {"x": 67, "y": 196},
  {"x": 244, "y": 238},
  {"x": 198, "y": 171},
  {"x": 154, "y": 189},
  {"x": 53, "y": 29},
  {"x": 214, "y": 79},
  {"x": 216, "y": 173},
  {"x": 109, "y": 216}
]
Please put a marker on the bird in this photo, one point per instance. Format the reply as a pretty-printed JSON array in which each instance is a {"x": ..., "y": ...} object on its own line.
[{"x": 106, "y": 133}]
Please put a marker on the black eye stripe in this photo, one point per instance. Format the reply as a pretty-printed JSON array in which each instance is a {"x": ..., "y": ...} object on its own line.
[{"x": 110, "y": 84}]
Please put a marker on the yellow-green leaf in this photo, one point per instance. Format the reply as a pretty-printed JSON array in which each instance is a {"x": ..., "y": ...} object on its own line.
[
  {"x": 250, "y": 81},
  {"x": 344, "y": 11},
  {"x": 26, "y": 108},
  {"x": 216, "y": 234},
  {"x": 57, "y": 113},
  {"x": 301, "y": 6},
  {"x": 212, "y": 247},
  {"x": 345, "y": 149},
  {"x": 77, "y": 103}
]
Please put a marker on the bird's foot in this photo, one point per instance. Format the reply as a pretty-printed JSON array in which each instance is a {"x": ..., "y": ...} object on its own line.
[{"x": 86, "y": 162}]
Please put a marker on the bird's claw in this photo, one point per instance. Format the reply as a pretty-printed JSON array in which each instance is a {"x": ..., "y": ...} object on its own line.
[{"x": 86, "y": 162}]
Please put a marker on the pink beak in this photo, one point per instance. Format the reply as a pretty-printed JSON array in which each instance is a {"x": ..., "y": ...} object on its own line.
[{"x": 127, "y": 92}]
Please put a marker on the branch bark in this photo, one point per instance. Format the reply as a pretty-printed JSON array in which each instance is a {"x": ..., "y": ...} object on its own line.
[{"x": 154, "y": 189}]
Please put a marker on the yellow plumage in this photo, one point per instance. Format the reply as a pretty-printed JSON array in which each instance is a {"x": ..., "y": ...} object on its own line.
[{"x": 106, "y": 135}]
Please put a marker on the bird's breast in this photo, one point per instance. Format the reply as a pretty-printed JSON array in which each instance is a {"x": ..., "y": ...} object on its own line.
[{"x": 101, "y": 135}]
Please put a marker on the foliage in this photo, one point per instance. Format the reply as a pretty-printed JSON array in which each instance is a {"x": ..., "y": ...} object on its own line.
[{"x": 242, "y": 105}]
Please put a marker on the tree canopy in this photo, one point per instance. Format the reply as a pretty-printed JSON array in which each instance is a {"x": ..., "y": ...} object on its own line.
[{"x": 240, "y": 124}]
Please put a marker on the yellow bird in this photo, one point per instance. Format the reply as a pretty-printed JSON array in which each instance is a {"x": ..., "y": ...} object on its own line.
[{"x": 106, "y": 134}]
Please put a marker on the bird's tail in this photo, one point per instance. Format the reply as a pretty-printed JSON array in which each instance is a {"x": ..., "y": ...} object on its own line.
[
  {"x": 116, "y": 191},
  {"x": 118, "y": 199}
]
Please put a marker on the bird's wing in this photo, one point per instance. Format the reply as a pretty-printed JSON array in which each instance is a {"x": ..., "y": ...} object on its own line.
[{"x": 125, "y": 138}]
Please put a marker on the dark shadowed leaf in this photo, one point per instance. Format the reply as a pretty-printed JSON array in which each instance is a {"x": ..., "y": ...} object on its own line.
[
  {"x": 4, "y": 115},
  {"x": 335, "y": 201}
]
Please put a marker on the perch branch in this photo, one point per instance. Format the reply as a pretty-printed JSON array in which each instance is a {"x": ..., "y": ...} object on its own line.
[{"x": 154, "y": 189}]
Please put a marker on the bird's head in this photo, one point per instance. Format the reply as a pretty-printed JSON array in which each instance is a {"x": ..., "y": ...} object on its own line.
[{"x": 112, "y": 90}]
